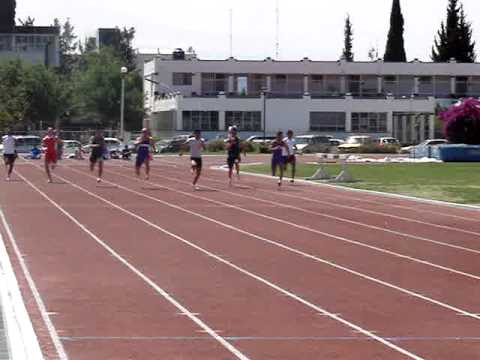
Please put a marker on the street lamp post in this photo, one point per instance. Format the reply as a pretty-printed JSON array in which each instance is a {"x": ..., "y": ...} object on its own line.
[{"x": 124, "y": 72}]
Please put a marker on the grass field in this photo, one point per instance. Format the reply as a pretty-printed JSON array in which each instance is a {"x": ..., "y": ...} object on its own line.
[{"x": 458, "y": 183}]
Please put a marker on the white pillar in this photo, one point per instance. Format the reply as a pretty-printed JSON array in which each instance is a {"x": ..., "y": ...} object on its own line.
[
  {"x": 413, "y": 130},
  {"x": 416, "y": 85},
  {"x": 453, "y": 85},
  {"x": 269, "y": 83},
  {"x": 221, "y": 120},
  {"x": 197, "y": 83},
  {"x": 348, "y": 122},
  {"x": 390, "y": 123},
  {"x": 431, "y": 126},
  {"x": 422, "y": 128},
  {"x": 231, "y": 84},
  {"x": 306, "y": 88},
  {"x": 379, "y": 84},
  {"x": 343, "y": 84},
  {"x": 179, "y": 120},
  {"x": 404, "y": 129}
]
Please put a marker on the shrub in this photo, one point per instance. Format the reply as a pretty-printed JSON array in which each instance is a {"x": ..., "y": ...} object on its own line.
[
  {"x": 264, "y": 149},
  {"x": 216, "y": 146}
]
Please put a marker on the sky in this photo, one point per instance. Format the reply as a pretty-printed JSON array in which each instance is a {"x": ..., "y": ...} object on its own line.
[{"x": 308, "y": 28}]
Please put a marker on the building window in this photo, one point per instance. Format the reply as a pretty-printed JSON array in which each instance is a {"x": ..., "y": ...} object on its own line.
[
  {"x": 182, "y": 79},
  {"x": 200, "y": 120},
  {"x": 327, "y": 121},
  {"x": 369, "y": 122},
  {"x": 244, "y": 120}
]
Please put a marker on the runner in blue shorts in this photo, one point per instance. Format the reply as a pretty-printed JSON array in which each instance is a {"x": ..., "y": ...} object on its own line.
[
  {"x": 234, "y": 149},
  {"x": 143, "y": 144},
  {"x": 279, "y": 149}
]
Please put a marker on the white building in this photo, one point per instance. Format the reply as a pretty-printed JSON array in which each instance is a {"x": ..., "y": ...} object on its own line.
[
  {"x": 335, "y": 98},
  {"x": 34, "y": 44}
]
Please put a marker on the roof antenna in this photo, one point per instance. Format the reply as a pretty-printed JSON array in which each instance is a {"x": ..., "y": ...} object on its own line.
[
  {"x": 277, "y": 36},
  {"x": 231, "y": 32}
]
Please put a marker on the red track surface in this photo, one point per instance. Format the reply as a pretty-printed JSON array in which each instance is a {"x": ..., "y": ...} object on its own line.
[{"x": 305, "y": 273}]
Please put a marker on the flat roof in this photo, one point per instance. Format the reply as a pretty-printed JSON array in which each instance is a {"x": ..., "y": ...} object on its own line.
[{"x": 37, "y": 30}]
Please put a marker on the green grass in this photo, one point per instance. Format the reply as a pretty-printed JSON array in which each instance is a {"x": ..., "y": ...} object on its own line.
[{"x": 452, "y": 182}]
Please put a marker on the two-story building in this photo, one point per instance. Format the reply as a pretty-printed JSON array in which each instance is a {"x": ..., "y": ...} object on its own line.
[
  {"x": 34, "y": 44},
  {"x": 336, "y": 98}
]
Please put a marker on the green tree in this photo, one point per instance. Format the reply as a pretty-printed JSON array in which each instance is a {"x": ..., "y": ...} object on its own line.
[
  {"x": 7, "y": 16},
  {"x": 454, "y": 39},
  {"x": 348, "y": 42},
  {"x": 13, "y": 97},
  {"x": 68, "y": 46},
  {"x": 125, "y": 49},
  {"x": 27, "y": 22},
  {"x": 98, "y": 90},
  {"x": 395, "y": 50}
]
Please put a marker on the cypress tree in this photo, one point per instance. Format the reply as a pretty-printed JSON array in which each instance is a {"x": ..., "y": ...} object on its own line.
[
  {"x": 348, "y": 44},
  {"x": 7, "y": 16},
  {"x": 455, "y": 38},
  {"x": 395, "y": 50}
]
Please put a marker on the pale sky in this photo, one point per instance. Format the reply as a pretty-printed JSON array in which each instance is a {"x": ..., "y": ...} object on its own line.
[{"x": 312, "y": 28}]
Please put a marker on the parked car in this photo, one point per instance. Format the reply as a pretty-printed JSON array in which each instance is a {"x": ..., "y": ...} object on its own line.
[
  {"x": 385, "y": 141},
  {"x": 307, "y": 144},
  {"x": 336, "y": 142},
  {"x": 70, "y": 147},
  {"x": 25, "y": 143},
  {"x": 260, "y": 139},
  {"x": 172, "y": 145},
  {"x": 356, "y": 142},
  {"x": 429, "y": 142}
]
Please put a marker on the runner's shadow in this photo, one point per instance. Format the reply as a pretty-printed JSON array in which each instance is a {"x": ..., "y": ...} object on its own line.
[
  {"x": 153, "y": 188},
  {"x": 14, "y": 181},
  {"x": 107, "y": 186},
  {"x": 206, "y": 190}
]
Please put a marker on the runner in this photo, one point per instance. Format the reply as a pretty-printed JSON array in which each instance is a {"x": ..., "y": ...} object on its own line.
[
  {"x": 97, "y": 143},
  {"x": 143, "y": 144},
  {"x": 291, "y": 158},
  {"x": 279, "y": 149},
  {"x": 234, "y": 149},
  {"x": 9, "y": 153},
  {"x": 50, "y": 147},
  {"x": 197, "y": 145}
]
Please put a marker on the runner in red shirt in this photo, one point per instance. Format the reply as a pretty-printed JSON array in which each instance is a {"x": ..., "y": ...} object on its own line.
[{"x": 50, "y": 148}]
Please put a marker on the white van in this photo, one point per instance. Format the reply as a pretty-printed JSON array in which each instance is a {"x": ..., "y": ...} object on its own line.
[{"x": 25, "y": 143}]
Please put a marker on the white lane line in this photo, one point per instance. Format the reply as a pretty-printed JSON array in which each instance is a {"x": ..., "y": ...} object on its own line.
[
  {"x": 456, "y": 310},
  {"x": 62, "y": 355},
  {"x": 305, "y": 228},
  {"x": 226, "y": 262},
  {"x": 279, "y": 204},
  {"x": 142, "y": 276},
  {"x": 360, "y": 209},
  {"x": 21, "y": 337}
]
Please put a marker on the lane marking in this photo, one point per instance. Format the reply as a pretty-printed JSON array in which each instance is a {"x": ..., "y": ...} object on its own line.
[
  {"x": 456, "y": 310},
  {"x": 221, "y": 260},
  {"x": 282, "y": 221},
  {"x": 278, "y": 204},
  {"x": 137, "y": 272},
  {"x": 36, "y": 294}
]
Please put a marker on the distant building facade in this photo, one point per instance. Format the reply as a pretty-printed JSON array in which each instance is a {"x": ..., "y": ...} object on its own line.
[
  {"x": 34, "y": 44},
  {"x": 332, "y": 98}
]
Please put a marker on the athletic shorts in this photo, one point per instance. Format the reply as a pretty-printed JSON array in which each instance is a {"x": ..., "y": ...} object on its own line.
[
  {"x": 96, "y": 155},
  {"x": 9, "y": 158},
  {"x": 292, "y": 159},
  {"x": 198, "y": 162},
  {"x": 141, "y": 158},
  {"x": 278, "y": 160},
  {"x": 232, "y": 160},
  {"x": 51, "y": 157}
]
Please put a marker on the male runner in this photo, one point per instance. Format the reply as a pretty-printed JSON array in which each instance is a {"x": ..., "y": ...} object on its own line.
[
  {"x": 291, "y": 158},
  {"x": 9, "y": 153},
  {"x": 98, "y": 147},
  {"x": 279, "y": 148},
  {"x": 50, "y": 147},
  {"x": 234, "y": 149},
  {"x": 143, "y": 143},
  {"x": 197, "y": 145}
]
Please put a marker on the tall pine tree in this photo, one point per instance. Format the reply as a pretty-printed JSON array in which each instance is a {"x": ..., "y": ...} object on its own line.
[
  {"x": 348, "y": 46},
  {"x": 395, "y": 50},
  {"x": 7, "y": 16},
  {"x": 455, "y": 38}
]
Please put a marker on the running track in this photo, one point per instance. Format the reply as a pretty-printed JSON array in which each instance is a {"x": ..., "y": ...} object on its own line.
[{"x": 152, "y": 270}]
